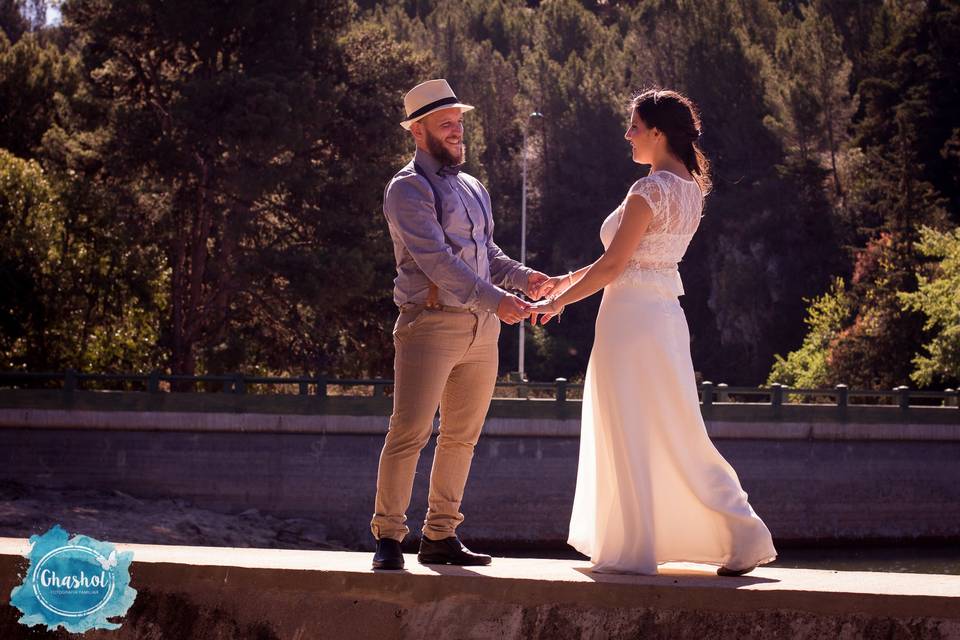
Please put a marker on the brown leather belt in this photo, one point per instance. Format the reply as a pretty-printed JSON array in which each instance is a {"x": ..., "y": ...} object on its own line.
[
  {"x": 433, "y": 305},
  {"x": 413, "y": 306}
]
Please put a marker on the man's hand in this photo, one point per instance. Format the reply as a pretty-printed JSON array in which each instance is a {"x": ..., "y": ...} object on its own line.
[
  {"x": 512, "y": 309},
  {"x": 539, "y": 285}
]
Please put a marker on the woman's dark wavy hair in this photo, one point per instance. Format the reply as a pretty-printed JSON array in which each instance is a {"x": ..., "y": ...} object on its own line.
[{"x": 676, "y": 116}]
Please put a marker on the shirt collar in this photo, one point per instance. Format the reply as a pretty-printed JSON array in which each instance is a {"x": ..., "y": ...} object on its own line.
[{"x": 432, "y": 166}]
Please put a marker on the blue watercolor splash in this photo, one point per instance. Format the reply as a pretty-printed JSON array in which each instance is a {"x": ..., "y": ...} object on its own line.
[{"x": 87, "y": 558}]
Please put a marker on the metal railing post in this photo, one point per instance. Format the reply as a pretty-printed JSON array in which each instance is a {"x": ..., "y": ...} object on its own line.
[
  {"x": 561, "y": 390},
  {"x": 322, "y": 386},
  {"x": 69, "y": 381},
  {"x": 722, "y": 395},
  {"x": 952, "y": 398},
  {"x": 903, "y": 392},
  {"x": 707, "y": 397},
  {"x": 843, "y": 400},
  {"x": 843, "y": 396},
  {"x": 776, "y": 395},
  {"x": 153, "y": 382}
]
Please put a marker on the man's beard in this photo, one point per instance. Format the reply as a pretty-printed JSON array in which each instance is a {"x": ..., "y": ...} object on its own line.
[{"x": 439, "y": 151}]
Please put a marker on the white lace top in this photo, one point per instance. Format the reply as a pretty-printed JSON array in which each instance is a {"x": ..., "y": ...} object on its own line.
[{"x": 677, "y": 207}]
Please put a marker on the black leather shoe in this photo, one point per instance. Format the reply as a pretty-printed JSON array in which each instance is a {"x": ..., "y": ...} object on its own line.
[
  {"x": 449, "y": 551},
  {"x": 733, "y": 573},
  {"x": 388, "y": 555}
]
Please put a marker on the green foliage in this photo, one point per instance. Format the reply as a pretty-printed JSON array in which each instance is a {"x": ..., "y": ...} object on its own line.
[
  {"x": 808, "y": 367},
  {"x": 31, "y": 75},
  {"x": 211, "y": 180},
  {"x": 809, "y": 93},
  {"x": 898, "y": 173},
  {"x": 938, "y": 298},
  {"x": 12, "y": 23},
  {"x": 243, "y": 128},
  {"x": 323, "y": 293},
  {"x": 64, "y": 305},
  {"x": 30, "y": 225}
]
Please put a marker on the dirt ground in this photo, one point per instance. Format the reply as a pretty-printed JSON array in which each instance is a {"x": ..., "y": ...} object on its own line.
[{"x": 117, "y": 517}]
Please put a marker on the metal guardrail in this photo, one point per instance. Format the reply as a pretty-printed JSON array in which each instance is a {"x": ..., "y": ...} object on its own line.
[{"x": 559, "y": 390}]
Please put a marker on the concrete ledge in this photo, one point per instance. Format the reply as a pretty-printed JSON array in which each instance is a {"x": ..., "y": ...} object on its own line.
[
  {"x": 495, "y": 426},
  {"x": 279, "y": 594}
]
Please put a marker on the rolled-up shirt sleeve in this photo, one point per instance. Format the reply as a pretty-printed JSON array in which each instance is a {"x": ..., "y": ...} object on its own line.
[{"x": 409, "y": 208}]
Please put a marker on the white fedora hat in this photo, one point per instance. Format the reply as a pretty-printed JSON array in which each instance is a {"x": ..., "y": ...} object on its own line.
[{"x": 427, "y": 97}]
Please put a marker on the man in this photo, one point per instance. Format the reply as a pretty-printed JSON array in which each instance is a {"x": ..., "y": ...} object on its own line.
[{"x": 448, "y": 289}]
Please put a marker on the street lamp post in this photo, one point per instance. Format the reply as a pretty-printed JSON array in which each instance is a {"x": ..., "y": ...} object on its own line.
[{"x": 523, "y": 237}]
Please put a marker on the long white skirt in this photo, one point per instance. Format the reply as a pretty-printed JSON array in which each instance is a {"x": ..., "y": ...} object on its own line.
[{"x": 651, "y": 487}]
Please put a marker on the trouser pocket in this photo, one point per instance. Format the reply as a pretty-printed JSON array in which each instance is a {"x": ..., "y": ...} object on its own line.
[{"x": 407, "y": 321}]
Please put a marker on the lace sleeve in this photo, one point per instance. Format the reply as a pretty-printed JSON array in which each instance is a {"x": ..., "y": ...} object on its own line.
[{"x": 649, "y": 189}]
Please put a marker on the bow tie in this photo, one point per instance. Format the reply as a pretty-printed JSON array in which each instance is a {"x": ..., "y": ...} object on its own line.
[{"x": 449, "y": 171}]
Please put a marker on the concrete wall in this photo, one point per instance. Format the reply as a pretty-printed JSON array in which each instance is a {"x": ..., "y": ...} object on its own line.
[
  {"x": 202, "y": 593},
  {"x": 518, "y": 408},
  {"x": 808, "y": 481}
]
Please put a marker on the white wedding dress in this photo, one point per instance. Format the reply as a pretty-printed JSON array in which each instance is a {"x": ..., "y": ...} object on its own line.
[{"x": 651, "y": 487}]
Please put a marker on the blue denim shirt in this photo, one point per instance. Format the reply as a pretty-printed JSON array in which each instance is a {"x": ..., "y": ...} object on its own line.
[{"x": 461, "y": 258}]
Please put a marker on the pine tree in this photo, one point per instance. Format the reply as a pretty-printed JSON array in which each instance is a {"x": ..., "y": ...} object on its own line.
[
  {"x": 231, "y": 124},
  {"x": 809, "y": 91}
]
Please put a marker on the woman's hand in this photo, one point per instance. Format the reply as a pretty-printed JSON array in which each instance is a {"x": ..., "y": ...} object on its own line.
[
  {"x": 553, "y": 287},
  {"x": 547, "y": 309},
  {"x": 539, "y": 285}
]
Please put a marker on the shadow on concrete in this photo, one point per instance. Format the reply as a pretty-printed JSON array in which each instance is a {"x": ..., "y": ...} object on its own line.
[
  {"x": 676, "y": 574},
  {"x": 668, "y": 575}
]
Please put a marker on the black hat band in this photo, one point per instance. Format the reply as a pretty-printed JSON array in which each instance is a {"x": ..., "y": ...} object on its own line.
[{"x": 430, "y": 107}]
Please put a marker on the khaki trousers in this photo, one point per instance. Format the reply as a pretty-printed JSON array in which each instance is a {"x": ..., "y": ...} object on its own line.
[{"x": 443, "y": 359}]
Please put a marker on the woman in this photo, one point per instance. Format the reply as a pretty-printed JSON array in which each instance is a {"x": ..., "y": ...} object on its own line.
[{"x": 651, "y": 487}]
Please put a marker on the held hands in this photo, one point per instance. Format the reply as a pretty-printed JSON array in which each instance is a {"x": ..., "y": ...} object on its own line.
[
  {"x": 547, "y": 309},
  {"x": 541, "y": 286},
  {"x": 512, "y": 309}
]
